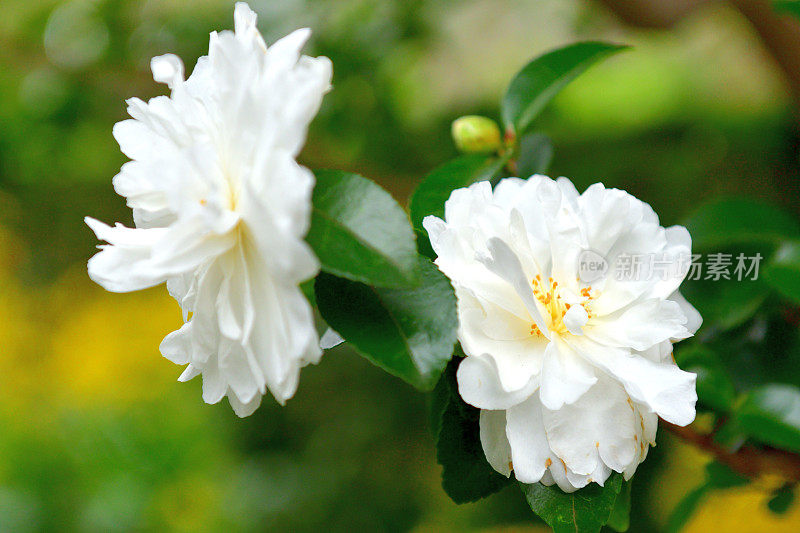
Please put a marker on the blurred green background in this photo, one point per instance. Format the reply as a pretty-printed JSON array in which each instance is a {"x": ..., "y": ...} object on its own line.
[{"x": 96, "y": 434}]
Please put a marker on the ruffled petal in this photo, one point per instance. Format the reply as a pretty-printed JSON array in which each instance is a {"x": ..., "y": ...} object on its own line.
[
  {"x": 663, "y": 387},
  {"x": 479, "y": 385},
  {"x": 565, "y": 376},
  {"x": 494, "y": 441}
]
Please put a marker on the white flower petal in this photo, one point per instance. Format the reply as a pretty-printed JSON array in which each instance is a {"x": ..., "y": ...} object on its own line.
[
  {"x": 177, "y": 346},
  {"x": 121, "y": 266},
  {"x": 168, "y": 69},
  {"x": 565, "y": 376},
  {"x": 479, "y": 385},
  {"x": 600, "y": 426},
  {"x": 693, "y": 318},
  {"x": 599, "y": 351},
  {"x": 494, "y": 441},
  {"x": 575, "y": 318},
  {"x": 663, "y": 387},
  {"x": 489, "y": 329},
  {"x": 244, "y": 409},
  {"x": 505, "y": 264},
  {"x": 330, "y": 339},
  {"x": 530, "y": 452},
  {"x": 190, "y": 372},
  {"x": 222, "y": 208},
  {"x": 641, "y": 325}
]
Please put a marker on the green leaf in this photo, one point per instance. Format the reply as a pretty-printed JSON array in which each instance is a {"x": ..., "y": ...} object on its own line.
[
  {"x": 440, "y": 397},
  {"x": 308, "y": 291},
  {"x": 620, "y": 518},
  {"x": 686, "y": 508},
  {"x": 466, "y": 474},
  {"x": 714, "y": 386},
  {"x": 787, "y": 6},
  {"x": 729, "y": 435},
  {"x": 359, "y": 232},
  {"x": 781, "y": 500},
  {"x": 544, "y": 77},
  {"x": 424, "y": 244},
  {"x": 771, "y": 414},
  {"x": 410, "y": 333},
  {"x": 535, "y": 155},
  {"x": 724, "y": 303},
  {"x": 585, "y": 510},
  {"x": 720, "y": 476},
  {"x": 783, "y": 271},
  {"x": 435, "y": 189},
  {"x": 727, "y": 221}
]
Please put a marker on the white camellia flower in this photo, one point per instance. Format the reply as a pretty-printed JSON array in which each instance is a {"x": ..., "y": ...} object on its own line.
[
  {"x": 570, "y": 365},
  {"x": 221, "y": 208}
]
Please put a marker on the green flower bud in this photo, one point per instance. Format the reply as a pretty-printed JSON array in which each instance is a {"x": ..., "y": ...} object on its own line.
[{"x": 475, "y": 134}]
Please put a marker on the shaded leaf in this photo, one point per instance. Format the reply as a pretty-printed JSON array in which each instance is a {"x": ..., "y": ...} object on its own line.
[
  {"x": 781, "y": 500},
  {"x": 410, "y": 333},
  {"x": 787, "y": 6},
  {"x": 359, "y": 232},
  {"x": 466, "y": 474},
  {"x": 727, "y": 221},
  {"x": 771, "y": 414},
  {"x": 714, "y": 386},
  {"x": 440, "y": 396},
  {"x": 585, "y": 510},
  {"x": 424, "y": 244},
  {"x": 783, "y": 271},
  {"x": 620, "y": 518},
  {"x": 725, "y": 304},
  {"x": 544, "y": 77},
  {"x": 535, "y": 155},
  {"x": 308, "y": 291},
  {"x": 720, "y": 476}
]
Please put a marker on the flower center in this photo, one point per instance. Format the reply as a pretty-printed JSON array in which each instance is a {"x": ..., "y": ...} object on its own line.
[{"x": 555, "y": 308}]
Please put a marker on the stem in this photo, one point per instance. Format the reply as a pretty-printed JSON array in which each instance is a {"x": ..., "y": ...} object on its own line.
[{"x": 748, "y": 460}]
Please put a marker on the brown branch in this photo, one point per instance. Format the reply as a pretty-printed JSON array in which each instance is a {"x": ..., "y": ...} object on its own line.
[
  {"x": 780, "y": 33},
  {"x": 652, "y": 13},
  {"x": 748, "y": 460}
]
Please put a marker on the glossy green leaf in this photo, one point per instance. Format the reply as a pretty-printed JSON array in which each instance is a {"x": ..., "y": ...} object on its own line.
[
  {"x": 466, "y": 474},
  {"x": 783, "y": 271},
  {"x": 771, "y": 414},
  {"x": 535, "y": 155},
  {"x": 583, "y": 511},
  {"x": 620, "y": 518},
  {"x": 359, "y": 232},
  {"x": 727, "y": 221},
  {"x": 781, "y": 500},
  {"x": 435, "y": 189},
  {"x": 714, "y": 386},
  {"x": 410, "y": 333},
  {"x": 544, "y": 77},
  {"x": 424, "y": 244}
]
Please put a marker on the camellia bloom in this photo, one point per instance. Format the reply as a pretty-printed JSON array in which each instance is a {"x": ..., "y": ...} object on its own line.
[
  {"x": 569, "y": 362},
  {"x": 221, "y": 208}
]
